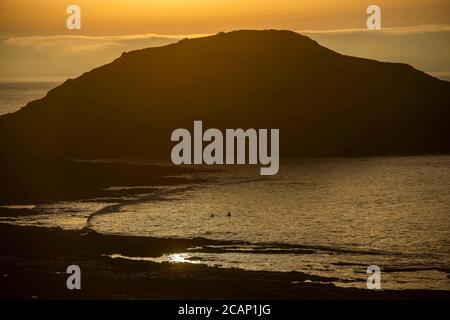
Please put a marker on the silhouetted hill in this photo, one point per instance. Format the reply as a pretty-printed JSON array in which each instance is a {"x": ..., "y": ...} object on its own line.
[{"x": 324, "y": 103}]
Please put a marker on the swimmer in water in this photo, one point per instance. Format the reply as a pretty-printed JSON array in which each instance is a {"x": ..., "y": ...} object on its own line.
[{"x": 229, "y": 214}]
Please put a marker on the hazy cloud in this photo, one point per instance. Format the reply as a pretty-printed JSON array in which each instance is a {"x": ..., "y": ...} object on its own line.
[
  {"x": 392, "y": 30},
  {"x": 424, "y": 47},
  {"x": 67, "y": 56}
]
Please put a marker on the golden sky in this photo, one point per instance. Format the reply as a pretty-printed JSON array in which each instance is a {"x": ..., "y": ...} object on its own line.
[
  {"x": 35, "y": 43},
  {"x": 120, "y": 17}
]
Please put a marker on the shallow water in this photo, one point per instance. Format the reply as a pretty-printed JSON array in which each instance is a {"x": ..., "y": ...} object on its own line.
[
  {"x": 327, "y": 217},
  {"x": 393, "y": 212}
]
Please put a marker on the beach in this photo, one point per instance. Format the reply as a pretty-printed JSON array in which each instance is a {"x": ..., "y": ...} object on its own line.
[
  {"x": 34, "y": 261},
  {"x": 143, "y": 228}
]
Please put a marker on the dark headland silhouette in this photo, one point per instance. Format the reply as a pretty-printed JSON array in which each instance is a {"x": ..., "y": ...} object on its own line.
[{"x": 324, "y": 103}]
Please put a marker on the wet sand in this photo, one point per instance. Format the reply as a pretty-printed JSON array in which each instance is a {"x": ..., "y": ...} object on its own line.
[{"x": 33, "y": 262}]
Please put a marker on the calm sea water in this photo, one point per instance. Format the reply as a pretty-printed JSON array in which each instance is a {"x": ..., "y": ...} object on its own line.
[
  {"x": 15, "y": 95},
  {"x": 327, "y": 217}
]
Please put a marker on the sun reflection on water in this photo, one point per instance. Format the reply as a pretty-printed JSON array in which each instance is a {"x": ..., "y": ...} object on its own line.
[
  {"x": 181, "y": 258},
  {"x": 171, "y": 258}
]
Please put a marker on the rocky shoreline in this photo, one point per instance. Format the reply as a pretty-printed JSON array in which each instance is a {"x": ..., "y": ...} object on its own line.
[{"x": 33, "y": 264}]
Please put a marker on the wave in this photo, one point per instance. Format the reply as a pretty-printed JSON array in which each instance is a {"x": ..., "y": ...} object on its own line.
[{"x": 157, "y": 195}]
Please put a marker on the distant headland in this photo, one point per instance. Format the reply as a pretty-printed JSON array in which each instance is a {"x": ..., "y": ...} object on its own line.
[{"x": 325, "y": 103}]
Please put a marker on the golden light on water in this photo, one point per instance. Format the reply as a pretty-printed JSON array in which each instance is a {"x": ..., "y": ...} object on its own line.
[
  {"x": 171, "y": 258},
  {"x": 180, "y": 258}
]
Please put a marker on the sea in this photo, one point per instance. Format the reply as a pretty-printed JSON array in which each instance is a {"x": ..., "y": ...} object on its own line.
[
  {"x": 15, "y": 95},
  {"x": 329, "y": 217}
]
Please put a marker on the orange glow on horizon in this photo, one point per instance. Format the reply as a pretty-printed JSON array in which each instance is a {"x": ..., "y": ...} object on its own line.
[{"x": 114, "y": 17}]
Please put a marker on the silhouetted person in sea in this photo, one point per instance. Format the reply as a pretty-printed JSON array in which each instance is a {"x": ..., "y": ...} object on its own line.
[
  {"x": 229, "y": 214},
  {"x": 212, "y": 215}
]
